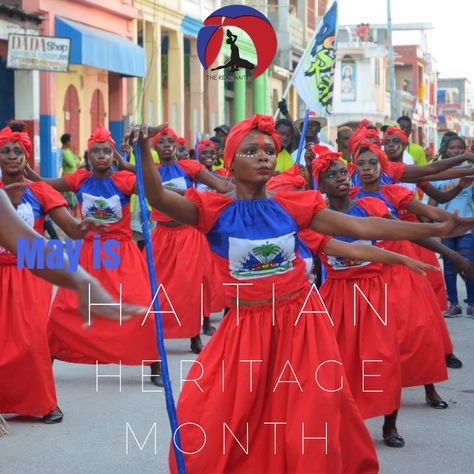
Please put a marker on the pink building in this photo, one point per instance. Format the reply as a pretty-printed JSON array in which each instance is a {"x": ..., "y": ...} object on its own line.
[{"x": 100, "y": 86}]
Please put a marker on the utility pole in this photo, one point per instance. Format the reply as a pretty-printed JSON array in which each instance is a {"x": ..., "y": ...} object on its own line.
[{"x": 391, "y": 66}]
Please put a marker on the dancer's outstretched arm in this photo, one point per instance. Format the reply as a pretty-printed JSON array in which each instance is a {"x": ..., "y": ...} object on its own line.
[
  {"x": 371, "y": 253},
  {"x": 59, "y": 184},
  {"x": 13, "y": 228},
  {"x": 375, "y": 228}
]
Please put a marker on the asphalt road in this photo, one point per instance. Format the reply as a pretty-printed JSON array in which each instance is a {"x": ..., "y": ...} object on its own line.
[{"x": 93, "y": 435}]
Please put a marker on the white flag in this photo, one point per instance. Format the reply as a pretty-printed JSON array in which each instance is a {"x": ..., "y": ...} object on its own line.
[{"x": 314, "y": 75}]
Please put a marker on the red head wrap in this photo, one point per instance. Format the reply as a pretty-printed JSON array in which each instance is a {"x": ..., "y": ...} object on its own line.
[
  {"x": 22, "y": 138},
  {"x": 364, "y": 122},
  {"x": 165, "y": 131},
  {"x": 375, "y": 149},
  {"x": 396, "y": 131},
  {"x": 362, "y": 134},
  {"x": 288, "y": 180},
  {"x": 204, "y": 143},
  {"x": 263, "y": 123},
  {"x": 100, "y": 135},
  {"x": 319, "y": 149},
  {"x": 180, "y": 141},
  {"x": 322, "y": 163}
]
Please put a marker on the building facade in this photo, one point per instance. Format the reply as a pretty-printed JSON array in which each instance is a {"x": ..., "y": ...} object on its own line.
[
  {"x": 416, "y": 81},
  {"x": 96, "y": 89},
  {"x": 361, "y": 87},
  {"x": 20, "y": 88},
  {"x": 454, "y": 107}
]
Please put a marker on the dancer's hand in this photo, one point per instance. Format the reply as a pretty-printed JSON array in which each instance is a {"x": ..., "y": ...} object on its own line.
[
  {"x": 90, "y": 225},
  {"x": 119, "y": 160},
  {"x": 417, "y": 266},
  {"x": 464, "y": 267},
  {"x": 30, "y": 173},
  {"x": 455, "y": 226},
  {"x": 465, "y": 182},
  {"x": 98, "y": 295},
  {"x": 148, "y": 132}
]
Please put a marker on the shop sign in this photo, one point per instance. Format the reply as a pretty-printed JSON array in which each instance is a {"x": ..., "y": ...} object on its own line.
[{"x": 42, "y": 53}]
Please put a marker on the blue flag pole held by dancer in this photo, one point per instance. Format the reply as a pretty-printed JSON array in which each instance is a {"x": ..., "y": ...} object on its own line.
[
  {"x": 298, "y": 159},
  {"x": 303, "y": 134},
  {"x": 170, "y": 406}
]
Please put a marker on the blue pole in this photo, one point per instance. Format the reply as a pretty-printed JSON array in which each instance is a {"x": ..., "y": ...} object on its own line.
[
  {"x": 303, "y": 134},
  {"x": 144, "y": 215}
]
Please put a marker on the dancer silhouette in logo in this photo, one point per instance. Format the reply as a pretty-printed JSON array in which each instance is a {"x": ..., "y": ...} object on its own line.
[{"x": 235, "y": 61}]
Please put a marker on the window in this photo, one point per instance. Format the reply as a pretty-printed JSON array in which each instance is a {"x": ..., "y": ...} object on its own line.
[{"x": 348, "y": 79}]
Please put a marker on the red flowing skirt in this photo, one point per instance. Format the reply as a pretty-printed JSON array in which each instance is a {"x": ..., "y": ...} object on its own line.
[
  {"x": 106, "y": 341},
  {"x": 182, "y": 262},
  {"x": 282, "y": 388},
  {"x": 365, "y": 341},
  {"x": 436, "y": 281},
  {"x": 417, "y": 311},
  {"x": 26, "y": 375},
  {"x": 215, "y": 283},
  {"x": 434, "y": 277}
]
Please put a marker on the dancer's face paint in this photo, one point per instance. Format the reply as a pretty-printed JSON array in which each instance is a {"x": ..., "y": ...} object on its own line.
[
  {"x": 255, "y": 158},
  {"x": 166, "y": 148},
  {"x": 12, "y": 159},
  {"x": 335, "y": 182},
  {"x": 368, "y": 167},
  {"x": 101, "y": 156},
  {"x": 393, "y": 147}
]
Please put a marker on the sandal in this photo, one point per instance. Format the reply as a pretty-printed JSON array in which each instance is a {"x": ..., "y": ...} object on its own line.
[
  {"x": 394, "y": 440},
  {"x": 53, "y": 417},
  {"x": 437, "y": 404}
]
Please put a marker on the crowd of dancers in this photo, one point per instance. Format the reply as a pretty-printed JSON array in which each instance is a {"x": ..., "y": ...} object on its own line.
[{"x": 240, "y": 229}]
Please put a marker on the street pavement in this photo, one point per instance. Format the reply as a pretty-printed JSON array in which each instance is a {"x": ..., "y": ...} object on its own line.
[{"x": 93, "y": 435}]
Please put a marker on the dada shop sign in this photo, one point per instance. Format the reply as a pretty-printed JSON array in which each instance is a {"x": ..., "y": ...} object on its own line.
[{"x": 44, "y": 53}]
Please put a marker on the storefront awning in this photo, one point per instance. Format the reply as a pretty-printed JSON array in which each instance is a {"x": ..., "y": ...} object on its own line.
[{"x": 101, "y": 49}]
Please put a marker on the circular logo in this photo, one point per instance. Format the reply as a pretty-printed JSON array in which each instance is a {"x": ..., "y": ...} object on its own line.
[{"x": 254, "y": 23}]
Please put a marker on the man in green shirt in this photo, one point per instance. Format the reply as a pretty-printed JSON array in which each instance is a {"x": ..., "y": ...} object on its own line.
[{"x": 416, "y": 151}]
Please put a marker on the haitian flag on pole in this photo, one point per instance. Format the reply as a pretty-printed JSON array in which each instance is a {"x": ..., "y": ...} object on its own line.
[{"x": 314, "y": 75}]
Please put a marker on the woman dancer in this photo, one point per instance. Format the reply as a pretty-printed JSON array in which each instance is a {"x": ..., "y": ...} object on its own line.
[
  {"x": 23, "y": 332},
  {"x": 365, "y": 331},
  {"x": 104, "y": 196},
  {"x": 394, "y": 172},
  {"x": 254, "y": 235},
  {"x": 421, "y": 321},
  {"x": 180, "y": 252}
]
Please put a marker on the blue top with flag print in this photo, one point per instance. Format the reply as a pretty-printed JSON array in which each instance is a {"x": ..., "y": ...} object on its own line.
[
  {"x": 257, "y": 237},
  {"x": 351, "y": 268},
  {"x": 173, "y": 176},
  {"x": 31, "y": 201},
  {"x": 103, "y": 187}
]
